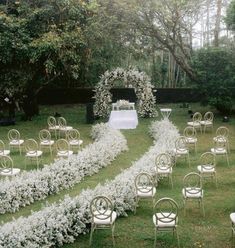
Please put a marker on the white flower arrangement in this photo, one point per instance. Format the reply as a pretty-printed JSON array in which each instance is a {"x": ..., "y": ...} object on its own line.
[
  {"x": 139, "y": 80},
  {"x": 63, "y": 222},
  {"x": 31, "y": 186}
]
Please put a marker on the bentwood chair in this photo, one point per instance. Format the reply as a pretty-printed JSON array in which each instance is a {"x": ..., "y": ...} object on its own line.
[
  {"x": 207, "y": 167},
  {"x": 190, "y": 135},
  {"x": 144, "y": 185},
  {"x": 207, "y": 121},
  {"x": 74, "y": 140},
  {"x": 63, "y": 128},
  {"x": 6, "y": 167},
  {"x": 163, "y": 167},
  {"x": 45, "y": 140},
  {"x": 103, "y": 215},
  {"x": 165, "y": 217},
  {"x": 14, "y": 139},
  {"x": 192, "y": 190},
  {"x": 32, "y": 151},
  {"x": 52, "y": 125},
  {"x": 3, "y": 151},
  {"x": 181, "y": 149},
  {"x": 196, "y": 122}
]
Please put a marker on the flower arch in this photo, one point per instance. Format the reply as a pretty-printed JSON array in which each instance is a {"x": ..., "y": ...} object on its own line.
[{"x": 131, "y": 78}]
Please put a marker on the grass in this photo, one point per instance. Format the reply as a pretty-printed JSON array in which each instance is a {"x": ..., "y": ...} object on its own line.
[{"x": 137, "y": 230}]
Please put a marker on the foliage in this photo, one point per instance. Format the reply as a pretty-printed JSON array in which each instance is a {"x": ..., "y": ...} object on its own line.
[
  {"x": 61, "y": 223},
  {"x": 214, "y": 67},
  {"x": 31, "y": 186},
  {"x": 131, "y": 78},
  {"x": 230, "y": 16}
]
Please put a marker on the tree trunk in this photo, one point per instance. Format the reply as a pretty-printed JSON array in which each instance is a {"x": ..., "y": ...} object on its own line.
[{"x": 217, "y": 23}]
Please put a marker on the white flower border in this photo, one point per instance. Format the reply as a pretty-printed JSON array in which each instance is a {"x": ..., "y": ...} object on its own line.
[
  {"x": 60, "y": 223},
  {"x": 132, "y": 78},
  {"x": 31, "y": 186}
]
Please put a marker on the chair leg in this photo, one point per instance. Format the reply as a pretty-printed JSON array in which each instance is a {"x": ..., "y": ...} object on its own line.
[
  {"x": 113, "y": 227},
  {"x": 177, "y": 236},
  {"x": 227, "y": 159},
  {"x": 202, "y": 205},
  {"x": 91, "y": 234},
  {"x": 188, "y": 160},
  {"x": 155, "y": 238}
]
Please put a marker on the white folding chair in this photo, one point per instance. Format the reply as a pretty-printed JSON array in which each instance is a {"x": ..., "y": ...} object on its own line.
[
  {"x": 163, "y": 167},
  {"x": 181, "y": 149},
  {"x": 63, "y": 128},
  {"x": 196, "y": 122},
  {"x": 14, "y": 139},
  {"x": 220, "y": 148},
  {"x": 207, "y": 167},
  {"x": 207, "y": 121},
  {"x": 32, "y": 151},
  {"x": 190, "y": 134},
  {"x": 63, "y": 148},
  {"x": 192, "y": 190},
  {"x": 45, "y": 140},
  {"x": 165, "y": 218},
  {"x": 74, "y": 140},
  {"x": 6, "y": 166},
  {"x": 103, "y": 215},
  {"x": 52, "y": 125},
  {"x": 222, "y": 135}
]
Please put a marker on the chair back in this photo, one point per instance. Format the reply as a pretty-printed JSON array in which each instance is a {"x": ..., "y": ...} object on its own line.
[
  {"x": 221, "y": 143},
  {"x": 13, "y": 134},
  {"x": 207, "y": 161},
  {"x": 222, "y": 131},
  {"x": 192, "y": 183},
  {"x": 101, "y": 208},
  {"x": 62, "y": 122},
  {"x": 190, "y": 132},
  {"x": 44, "y": 135},
  {"x": 144, "y": 183},
  {"x": 166, "y": 210},
  {"x": 180, "y": 144},
  {"x": 163, "y": 161},
  {"x": 31, "y": 146},
  {"x": 73, "y": 134},
  {"x": 6, "y": 164},
  {"x": 51, "y": 121},
  {"x": 197, "y": 117},
  {"x": 62, "y": 145},
  {"x": 209, "y": 116}
]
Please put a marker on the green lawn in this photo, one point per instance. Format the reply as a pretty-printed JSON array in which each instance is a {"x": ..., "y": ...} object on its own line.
[{"x": 137, "y": 230}]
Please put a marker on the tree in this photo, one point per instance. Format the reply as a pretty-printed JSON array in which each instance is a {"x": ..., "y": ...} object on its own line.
[
  {"x": 40, "y": 41},
  {"x": 230, "y": 16}
]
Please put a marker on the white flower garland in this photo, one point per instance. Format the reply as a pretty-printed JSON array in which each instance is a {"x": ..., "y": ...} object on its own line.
[
  {"x": 61, "y": 223},
  {"x": 30, "y": 186},
  {"x": 132, "y": 78}
]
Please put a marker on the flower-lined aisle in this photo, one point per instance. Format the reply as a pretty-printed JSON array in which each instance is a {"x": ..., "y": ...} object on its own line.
[
  {"x": 31, "y": 186},
  {"x": 62, "y": 222}
]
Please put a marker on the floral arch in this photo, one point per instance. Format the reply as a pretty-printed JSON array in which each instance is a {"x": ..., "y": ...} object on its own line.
[{"x": 131, "y": 78}]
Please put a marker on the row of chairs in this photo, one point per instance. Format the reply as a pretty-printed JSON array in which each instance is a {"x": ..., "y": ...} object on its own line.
[
  {"x": 165, "y": 210},
  {"x": 59, "y": 127},
  {"x": 199, "y": 123}
]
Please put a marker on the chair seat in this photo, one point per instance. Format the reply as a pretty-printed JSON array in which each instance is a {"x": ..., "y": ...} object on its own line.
[
  {"x": 206, "y": 169},
  {"x": 171, "y": 221},
  {"x": 4, "y": 152},
  {"x": 191, "y": 140},
  {"x": 67, "y": 128},
  {"x": 193, "y": 124},
  {"x": 75, "y": 142},
  {"x": 64, "y": 153},
  {"x": 192, "y": 193},
  {"x": 16, "y": 142},
  {"x": 219, "y": 139},
  {"x": 219, "y": 151},
  {"x": 145, "y": 192},
  {"x": 101, "y": 219},
  {"x": 34, "y": 154},
  {"x": 181, "y": 151},
  {"x": 206, "y": 123},
  {"x": 9, "y": 172},
  {"x": 164, "y": 170},
  {"x": 232, "y": 217},
  {"x": 54, "y": 128},
  {"x": 47, "y": 142}
]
